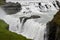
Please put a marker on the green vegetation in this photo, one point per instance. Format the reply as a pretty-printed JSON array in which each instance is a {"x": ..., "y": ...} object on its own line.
[
  {"x": 56, "y": 18},
  {"x": 5, "y": 34},
  {"x": 2, "y": 2}
]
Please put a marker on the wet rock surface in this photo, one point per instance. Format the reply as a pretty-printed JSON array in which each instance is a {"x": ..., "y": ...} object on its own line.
[
  {"x": 12, "y": 8},
  {"x": 26, "y": 18},
  {"x": 58, "y": 3},
  {"x": 53, "y": 28}
]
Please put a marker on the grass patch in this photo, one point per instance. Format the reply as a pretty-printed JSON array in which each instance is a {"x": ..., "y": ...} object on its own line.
[{"x": 7, "y": 35}]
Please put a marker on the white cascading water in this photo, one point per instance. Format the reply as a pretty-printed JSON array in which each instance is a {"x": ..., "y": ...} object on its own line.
[
  {"x": 2, "y": 13},
  {"x": 32, "y": 28}
]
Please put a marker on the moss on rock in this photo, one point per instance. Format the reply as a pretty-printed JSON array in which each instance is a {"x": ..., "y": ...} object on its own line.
[
  {"x": 54, "y": 26},
  {"x": 56, "y": 18}
]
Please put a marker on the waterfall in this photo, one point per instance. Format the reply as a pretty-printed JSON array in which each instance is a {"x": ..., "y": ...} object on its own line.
[
  {"x": 2, "y": 13},
  {"x": 35, "y": 28},
  {"x": 31, "y": 28}
]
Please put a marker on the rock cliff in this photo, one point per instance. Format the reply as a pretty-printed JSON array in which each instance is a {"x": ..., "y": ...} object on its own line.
[{"x": 53, "y": 28}]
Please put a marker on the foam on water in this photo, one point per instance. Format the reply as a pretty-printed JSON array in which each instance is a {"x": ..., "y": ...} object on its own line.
[{"x": 33, "y": 28}]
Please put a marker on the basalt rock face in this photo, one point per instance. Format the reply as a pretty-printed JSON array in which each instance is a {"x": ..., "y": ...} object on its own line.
[
  {"x": 12, "y": 8},
  {"x": 53, "y": 28},
  {"x": 51, "y": 31}
]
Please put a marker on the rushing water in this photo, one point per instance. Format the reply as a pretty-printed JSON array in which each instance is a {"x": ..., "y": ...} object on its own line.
[{"x": 32, "y": 28}]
